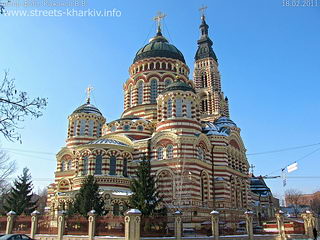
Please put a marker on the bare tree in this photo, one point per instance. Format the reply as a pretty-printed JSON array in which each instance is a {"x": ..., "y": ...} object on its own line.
[
  {"x": 7, "y": 167},
  {"x": 15, "y": 106},
  {"x": 315, "y": 203},
  {"x": 293, "y": 197},
  {"x": 41, "y": 198}
]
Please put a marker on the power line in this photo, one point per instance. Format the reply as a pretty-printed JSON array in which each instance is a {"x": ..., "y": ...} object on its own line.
[
  {"x": 27, "y": 151},
  {"x": 300, "y": 159},
  {"x": 283, "y": 149},
  {"x": 32, "y": 156}
]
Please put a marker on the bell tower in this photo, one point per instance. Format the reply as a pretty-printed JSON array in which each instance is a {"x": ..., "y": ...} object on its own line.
[{"x": 213, "y": 104}]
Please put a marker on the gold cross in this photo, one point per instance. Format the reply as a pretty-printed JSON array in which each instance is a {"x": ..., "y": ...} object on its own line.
[
  {"x": 203, "y": 10},
  {"x": 159, "y": 18},
  {"x": 89, "y": 90}
]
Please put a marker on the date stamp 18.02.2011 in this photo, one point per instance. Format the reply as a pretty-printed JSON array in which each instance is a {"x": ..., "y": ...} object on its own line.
[{"x": 301, "y": 3}]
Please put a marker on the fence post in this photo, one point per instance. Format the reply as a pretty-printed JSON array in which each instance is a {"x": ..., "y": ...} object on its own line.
[
  {"x": 215, "y": 224},
  {"x": 34, "y": 223},
  {"x": 132, "y": 224},
  {"x": 307, "y": 220},
  {"x": 178, "y": 225},
  {"x": 280, "y": 222},
  {"x": 92, "y": 224},
  {"x": 249, "y": 220},
  {"x": 10, "y": 220},
  {"x": 61, "y": 224}
]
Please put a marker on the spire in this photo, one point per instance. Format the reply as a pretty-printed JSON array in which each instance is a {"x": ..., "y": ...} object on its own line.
[
  {"x": 204, "y": 26},
  {"x": 204, "y": 43},
  {"x": 89, "y": 90}
]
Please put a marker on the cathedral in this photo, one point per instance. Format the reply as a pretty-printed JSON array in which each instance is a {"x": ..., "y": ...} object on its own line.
[{"x": 182, "y": 125}]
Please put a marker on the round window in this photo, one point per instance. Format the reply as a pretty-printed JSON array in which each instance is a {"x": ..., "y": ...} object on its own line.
[
  {"x": 126, "y": 127},
  {"x": 113, "y": 128},
  {"x": 140, "y": 128}
]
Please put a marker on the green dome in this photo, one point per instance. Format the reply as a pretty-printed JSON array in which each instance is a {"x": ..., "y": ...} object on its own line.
[
  {"x": 159, "y": 46},
  {"x": 88, "y": 108},
  {"x": 178, "y": 85}
]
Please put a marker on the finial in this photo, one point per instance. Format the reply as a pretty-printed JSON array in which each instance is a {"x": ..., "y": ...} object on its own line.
[
  {"x": 88, "y": 90},
  {"x": 158, "y": 19},
  {"x": 203, "y": 10}
]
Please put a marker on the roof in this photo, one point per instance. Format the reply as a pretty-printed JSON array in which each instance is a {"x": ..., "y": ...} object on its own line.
[
  {"x": 108, "y": 141},
  {"x": 159, "y": 46},
  {"x": 88, "y": 108},
  {"x": 178, "y": 85},
  {"x": 220, "y": 127},
  {"x": 258, "y": 186}
]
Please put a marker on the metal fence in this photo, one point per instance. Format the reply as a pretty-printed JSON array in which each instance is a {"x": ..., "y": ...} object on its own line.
[
  {"x": 109, "y": 226},
  {"x": 3, "y": 224},
  {"x": 22, "y": 224},
  {"x": 157, "y": 226},
  {"x": 76, "y": 225},
  {"x": 46, "y": 225}
]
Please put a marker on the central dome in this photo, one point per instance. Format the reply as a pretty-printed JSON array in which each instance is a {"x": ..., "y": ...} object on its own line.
[{"x": 159, "y": 46}]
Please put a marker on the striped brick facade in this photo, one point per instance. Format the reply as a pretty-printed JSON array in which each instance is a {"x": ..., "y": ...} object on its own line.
[{"x": 196, "y": 170}]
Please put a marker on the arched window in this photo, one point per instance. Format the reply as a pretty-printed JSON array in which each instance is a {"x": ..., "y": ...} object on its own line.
[
  {"x": 116, "y": 209},
  {"x": 188, "y": 109},
  {"x": 91, "y": 127},
  {"x": 69, "y": 166},
  {"x": 98, "y": 165},
  {"x": 82, "y": 127},
  {"x": 160, "y": 153},
  {"x": 204, "y": 80},
  {"x": 63, "y": 166},
  {"x": 85, "y": 165},
  {"x": 129, "y": 97},
  {"x": 99, "y": 128},
  {"x": 169, "y": 151},
  {"x": 200, "y": 153},
  {"x": 113, "y": 165},
  {"x": 153, "y": 90},
  {"x": 169, "y": 109},
  {"x": 202, "y": 189},
  {"x": 75, "y": 123},
  {"x": 167, "y": 82},
  {"x": 140, "y": 92},
  {"x": 125, "y": 167},
  {"x": 178, "y": 107}
]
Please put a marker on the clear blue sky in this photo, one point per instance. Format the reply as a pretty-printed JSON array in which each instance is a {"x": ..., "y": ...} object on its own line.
[{"x": 268, "y": 56}]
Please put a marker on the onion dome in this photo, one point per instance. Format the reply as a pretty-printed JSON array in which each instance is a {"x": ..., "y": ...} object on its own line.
[
  {"x": 88, "y": 108},
  {"x": 159, "y": 46},
  {"x": 179, "y": 85},
  {"x": 204, "y": 43},
  {"x": 224, "y": 122}
]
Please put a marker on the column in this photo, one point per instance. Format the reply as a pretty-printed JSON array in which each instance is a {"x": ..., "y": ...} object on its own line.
[
  {"x": 92, "y": 224},
  {"x": 132, "y": 224},
  {"x": 10, "y": 220},
  {"x": 61, "y": 224},
  {"x": 215, "y": 224},
  {"x": 308, "y": 226},
  {"x": 249, "y": 220},
  {"x": 280, "y": 221},
  {"x": 34, "y": 223},
  {"x": 178, "y": 225}
]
